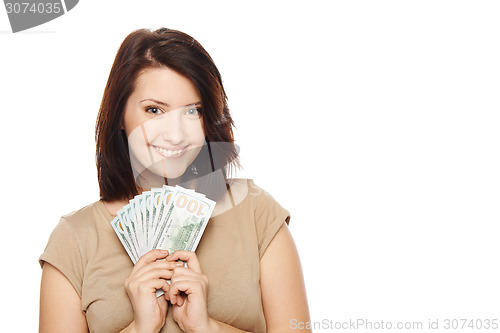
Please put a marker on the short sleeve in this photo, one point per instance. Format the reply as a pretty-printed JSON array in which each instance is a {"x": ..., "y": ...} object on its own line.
[
  {"x": 269, "y": 217},
  {"x": 62, "y": 252}
]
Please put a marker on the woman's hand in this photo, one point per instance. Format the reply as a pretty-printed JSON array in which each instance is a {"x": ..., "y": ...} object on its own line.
[
  {"x": 188, "y": 294},
  {"x": 147, "y": 276}
]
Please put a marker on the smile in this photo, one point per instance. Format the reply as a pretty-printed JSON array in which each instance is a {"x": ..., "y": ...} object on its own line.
[{"x": 168, "y": 152}]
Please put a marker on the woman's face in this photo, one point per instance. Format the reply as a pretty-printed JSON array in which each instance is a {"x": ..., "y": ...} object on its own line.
[{"x": 163, "y": 123}]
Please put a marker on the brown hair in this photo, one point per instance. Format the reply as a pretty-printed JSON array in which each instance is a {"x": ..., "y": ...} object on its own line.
[{"x": 155, "y": 49}]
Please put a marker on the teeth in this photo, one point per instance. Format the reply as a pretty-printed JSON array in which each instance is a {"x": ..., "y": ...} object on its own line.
[{"x": 169, "y": 152}]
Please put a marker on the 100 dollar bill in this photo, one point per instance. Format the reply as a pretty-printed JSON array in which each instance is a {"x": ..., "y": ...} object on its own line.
[{"x": 185, "y": 220}]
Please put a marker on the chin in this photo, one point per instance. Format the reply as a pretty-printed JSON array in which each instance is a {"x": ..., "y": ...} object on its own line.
[
  {"x": 154, "y": 175},
  {"x": 168, "y": 172}
]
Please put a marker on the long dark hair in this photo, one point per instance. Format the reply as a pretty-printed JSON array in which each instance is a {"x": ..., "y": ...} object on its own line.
[{"x": 180, "y": 52}]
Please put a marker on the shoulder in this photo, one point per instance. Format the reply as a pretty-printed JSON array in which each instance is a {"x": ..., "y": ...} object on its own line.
[
  {"x": 75, "y": 234},
  {"x": 85, "y": 217},
  {"x": 268, "y": 215},
  {"x": 243, "y": 188},
  {"x": 242, "y": 194},
  {"x": 81, "y": 227},
  {"x": 70, "y": 243},
  {"x": 244, "y": 197},
  {"x": 263, "y": 201},
  {"x": 83, "y": 212}
]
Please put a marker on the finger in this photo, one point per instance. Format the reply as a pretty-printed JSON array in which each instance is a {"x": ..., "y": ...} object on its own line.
[
  {"x": 151, "y": 256},
  {"x": 165, "y": 286},
  {"x": 181, "y": 299},
  {"x": 184, "y": 286},
  {"x": 164, "y": 264},
  {"x": 159, "y": 273},
  {"x": 150, "y": 286},
  {"x": 182, "y": 273},
  {"x": 187, "y": 279},
  {"x": 187, "y": 256},
  {"x": 159, "y": 264},
  {"x": 162, "y": 303}
]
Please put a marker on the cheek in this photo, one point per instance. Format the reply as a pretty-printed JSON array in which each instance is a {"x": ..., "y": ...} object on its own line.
[
  {"x": 129, "y": 122},
  {"x": 199, "y": 132},
  {"x": 137, "y": 123},
  {"x": 193, "y": 129}
]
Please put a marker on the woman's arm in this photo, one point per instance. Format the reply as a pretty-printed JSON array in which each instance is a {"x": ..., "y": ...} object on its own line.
[
  {"x": 60, "y": 305},
  {"x": 282, "y": 284}
]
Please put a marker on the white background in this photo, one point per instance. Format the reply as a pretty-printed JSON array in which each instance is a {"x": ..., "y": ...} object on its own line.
[{"x": 376, "y": 123}]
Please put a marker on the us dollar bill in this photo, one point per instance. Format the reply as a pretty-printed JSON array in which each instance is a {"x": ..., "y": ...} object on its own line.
[
  {"x": 123, "y": 233},
  {"x": 170, "y": 218},
  {"x": 186, "y": 218}
]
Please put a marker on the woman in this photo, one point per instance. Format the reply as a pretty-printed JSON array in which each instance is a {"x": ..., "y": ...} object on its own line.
[{"x": 164, "y": 119}]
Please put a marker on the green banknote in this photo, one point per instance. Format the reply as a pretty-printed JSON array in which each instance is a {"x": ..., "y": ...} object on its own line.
[
  {"x": 186, "y": 218},
  {"x": 171, "y": 218}
]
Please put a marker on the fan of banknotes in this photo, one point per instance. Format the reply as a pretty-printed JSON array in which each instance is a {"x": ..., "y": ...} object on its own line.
[{"x": 168, "y": 218}]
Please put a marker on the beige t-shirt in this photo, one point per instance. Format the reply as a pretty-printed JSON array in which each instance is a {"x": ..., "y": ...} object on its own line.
[{"x": 84, "y": 247}]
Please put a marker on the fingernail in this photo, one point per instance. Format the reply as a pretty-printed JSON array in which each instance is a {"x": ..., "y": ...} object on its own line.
[
  {"x": 164, "y": 251},
  {"x": 169, "y": 257}
]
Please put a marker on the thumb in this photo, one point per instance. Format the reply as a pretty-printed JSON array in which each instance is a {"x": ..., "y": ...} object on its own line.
[{"x": 162, "y": 303}]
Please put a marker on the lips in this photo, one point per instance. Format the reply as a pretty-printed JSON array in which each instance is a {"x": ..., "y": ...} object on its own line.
[{"x": 170, "y": 152}]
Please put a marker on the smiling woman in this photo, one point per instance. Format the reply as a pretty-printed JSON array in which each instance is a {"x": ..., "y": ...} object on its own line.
[
  {"x": 163, "y": 125},
  {"x": 164, "y": 120},
  {"x": 160, "y": 71}
]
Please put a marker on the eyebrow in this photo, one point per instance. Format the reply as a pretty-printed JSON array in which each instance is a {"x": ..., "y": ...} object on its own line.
[{"x": 166, "y": 104}]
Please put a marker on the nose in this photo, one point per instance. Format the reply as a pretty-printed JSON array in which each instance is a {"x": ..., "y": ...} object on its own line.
[{"x": 173, "y": 128}]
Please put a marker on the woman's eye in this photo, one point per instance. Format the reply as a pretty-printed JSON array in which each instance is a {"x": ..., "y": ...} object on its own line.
[
  {"x": 153, "y": 110},
  {"x": 194, "y": 112}
]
